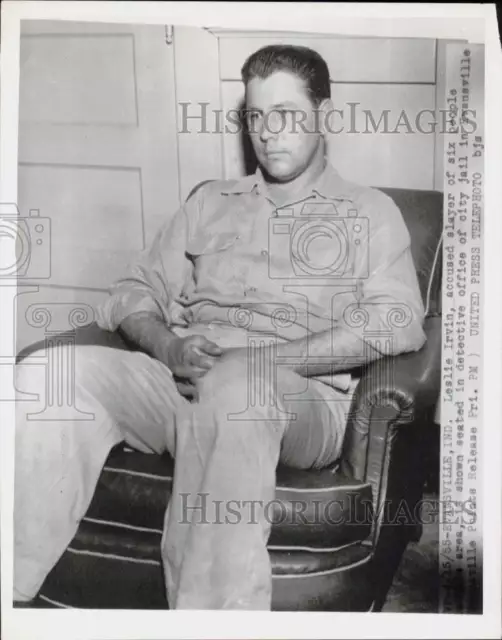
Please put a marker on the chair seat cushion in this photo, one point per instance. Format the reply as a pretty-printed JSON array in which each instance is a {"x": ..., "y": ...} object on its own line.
[
  {"x": 109, "y": 567},
  {"x": 319, "y": 509},
  {"x": 319, "y": 546}
]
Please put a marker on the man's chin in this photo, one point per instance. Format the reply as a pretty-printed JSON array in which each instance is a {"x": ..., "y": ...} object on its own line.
[{"x": 279, "y": 173}]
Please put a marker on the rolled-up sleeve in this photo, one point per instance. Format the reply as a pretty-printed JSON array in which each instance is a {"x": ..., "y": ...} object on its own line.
[{"x": 156, "y": 278}]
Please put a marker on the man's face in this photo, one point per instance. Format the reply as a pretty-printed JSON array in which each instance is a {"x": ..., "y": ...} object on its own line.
[{"x": 282, "y": 123}]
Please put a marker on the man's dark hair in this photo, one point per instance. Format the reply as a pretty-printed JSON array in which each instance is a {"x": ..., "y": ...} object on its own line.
[{"x": 301, "y": 61}]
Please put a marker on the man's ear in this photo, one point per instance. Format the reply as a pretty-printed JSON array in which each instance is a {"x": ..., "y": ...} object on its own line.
[{"x": 325, "y": 111}]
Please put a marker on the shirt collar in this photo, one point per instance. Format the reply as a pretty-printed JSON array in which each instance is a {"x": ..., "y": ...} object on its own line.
[{"x": 329, "y": 185}]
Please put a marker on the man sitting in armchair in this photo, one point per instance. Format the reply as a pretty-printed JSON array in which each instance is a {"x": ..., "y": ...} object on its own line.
[{"x": 243, "y": 317}]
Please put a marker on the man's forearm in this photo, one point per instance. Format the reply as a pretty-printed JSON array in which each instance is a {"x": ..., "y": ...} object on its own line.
[
  {"x": 324, "y": 353},
  {"x": 340, "y": 350},
  {"x": 148, "y": 332}
]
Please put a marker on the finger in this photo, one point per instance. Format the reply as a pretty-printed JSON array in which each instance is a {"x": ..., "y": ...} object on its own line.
[
  {"x": 196, "y": 340},
  {"x": 195, "y": 348},
  {"x": 196, "y": 362},
  {"x": 211, "y": 348},
  {"x": 203, "y": 362},
  {"x": 201, "y": 343},
  {"x": 196, "y": 372},
  {"x": 186, "y": 388}
]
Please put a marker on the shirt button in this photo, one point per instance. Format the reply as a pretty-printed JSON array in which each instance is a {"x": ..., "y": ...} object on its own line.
[{"x": 264, "y": 252}]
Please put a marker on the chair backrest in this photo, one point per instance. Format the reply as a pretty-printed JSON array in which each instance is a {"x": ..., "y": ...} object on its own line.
[{"x": 423, "y": 214}]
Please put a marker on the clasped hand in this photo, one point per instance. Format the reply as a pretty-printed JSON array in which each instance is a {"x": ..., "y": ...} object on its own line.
[{"x": 190, "y": 358}]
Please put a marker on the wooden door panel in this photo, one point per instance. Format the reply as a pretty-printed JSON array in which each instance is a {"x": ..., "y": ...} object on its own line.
[
  {"x": 99, "y": 157},
  {"x": 96, "y": 218},
  {"x": 89, "y": 207},
  {"x": 97, "y": 151},
  {"x": 100, "y": 91},
  {"x": 59, "y": 144}
]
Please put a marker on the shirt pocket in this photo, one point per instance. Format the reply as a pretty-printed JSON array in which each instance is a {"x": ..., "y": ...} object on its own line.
[
  {"x": 207, "y": 244},
  {"x": 213, "y": 256}
]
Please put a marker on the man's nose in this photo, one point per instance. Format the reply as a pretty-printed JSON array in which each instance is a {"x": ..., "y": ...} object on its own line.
[
  {"x": 265, "y": 132},
  {"x": 269, "y": 129}
]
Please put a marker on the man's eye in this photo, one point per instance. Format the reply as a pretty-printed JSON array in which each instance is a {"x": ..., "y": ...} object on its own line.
[{"x": 285, "y": 117}]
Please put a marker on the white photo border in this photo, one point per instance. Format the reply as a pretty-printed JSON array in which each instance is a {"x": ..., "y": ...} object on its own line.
[{"x": 476, "y": 23}]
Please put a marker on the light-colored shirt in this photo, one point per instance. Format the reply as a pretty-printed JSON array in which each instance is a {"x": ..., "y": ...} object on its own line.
[{"x": 235, "y": 267}]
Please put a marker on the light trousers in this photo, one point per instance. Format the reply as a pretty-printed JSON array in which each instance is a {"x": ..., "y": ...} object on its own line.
[{"x": 226, "y": 448}]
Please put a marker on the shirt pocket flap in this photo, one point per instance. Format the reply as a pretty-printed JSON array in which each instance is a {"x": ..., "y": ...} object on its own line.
[{"x": 211, "y": 243}]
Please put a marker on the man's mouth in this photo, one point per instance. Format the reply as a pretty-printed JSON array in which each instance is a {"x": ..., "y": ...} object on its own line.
[{"x": 273, "y": 154}]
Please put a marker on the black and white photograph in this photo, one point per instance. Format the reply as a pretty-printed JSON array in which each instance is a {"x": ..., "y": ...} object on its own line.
[{"x": 246, "y": 347}]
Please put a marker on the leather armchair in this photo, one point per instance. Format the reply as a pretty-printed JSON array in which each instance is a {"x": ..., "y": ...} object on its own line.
[{"x": 344, "y": 560}]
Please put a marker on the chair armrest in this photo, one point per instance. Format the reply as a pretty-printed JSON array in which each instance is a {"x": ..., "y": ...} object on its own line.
[
  {"x": 410, "y": 381},
  {"x": 89, "y": 334},
  {"x": 392, "y": 393},
  {"x": 385, "y": 445}
]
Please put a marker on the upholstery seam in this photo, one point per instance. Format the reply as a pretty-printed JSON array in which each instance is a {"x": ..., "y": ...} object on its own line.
[
  {"x": 121, "y": 525},
  {"x": 324, "y": 573},
  {"x": 141, "y": 474},
  {"x": 113, "y": 556},
  {"x": 58, "y": 604},
  {"x": 279, "y": 547}
]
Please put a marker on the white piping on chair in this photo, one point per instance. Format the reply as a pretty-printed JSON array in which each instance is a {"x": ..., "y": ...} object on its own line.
[
  {"x": 140, "y": 474},
  {"x": 327, "y": 572},
  {"x": 121, "y": 525},
  {"x": 55, "y": 602},
  {"x": 429, "y": 287},
  {"x": 279, "y": 547},
  {"x": 344, "y": 487},
  {"x": 113, "y": 556}
]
